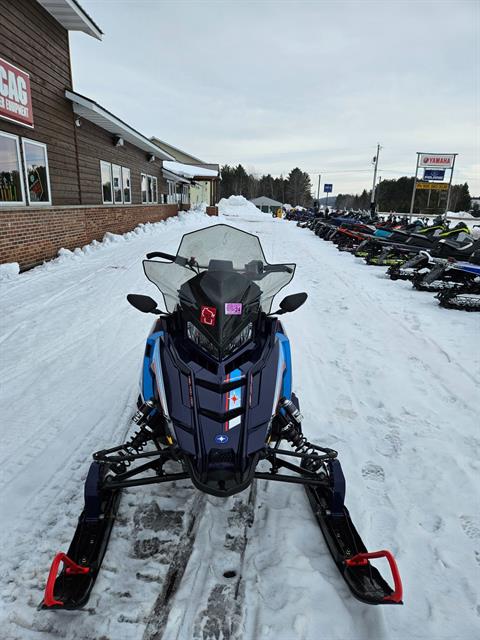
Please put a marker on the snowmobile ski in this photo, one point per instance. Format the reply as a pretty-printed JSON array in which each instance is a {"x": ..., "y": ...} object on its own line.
[{"x": 71, "y": 588}]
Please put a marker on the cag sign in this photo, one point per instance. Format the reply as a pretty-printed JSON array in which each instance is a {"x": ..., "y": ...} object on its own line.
[{"x": 15, "y": 95}]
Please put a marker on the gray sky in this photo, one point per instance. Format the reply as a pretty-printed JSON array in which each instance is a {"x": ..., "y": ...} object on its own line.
[{"x": 279, "y": 84}]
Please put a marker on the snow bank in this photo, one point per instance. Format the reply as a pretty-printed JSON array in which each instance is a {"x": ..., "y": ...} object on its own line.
[
  {"x": 239, "y": 207},
  {"x": 9, "y": 270},
  {"x": 112, "y": 240}
]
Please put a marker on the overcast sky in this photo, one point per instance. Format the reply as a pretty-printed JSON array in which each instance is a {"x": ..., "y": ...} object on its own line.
[{"x": 279, "y": 84}]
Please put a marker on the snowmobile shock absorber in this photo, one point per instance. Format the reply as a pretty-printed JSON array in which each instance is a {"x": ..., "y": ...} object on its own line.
[
  {"x": 292, "y": 432},
  {"x": 138, "y": 440},
  {"x": 143, "y": 411}
]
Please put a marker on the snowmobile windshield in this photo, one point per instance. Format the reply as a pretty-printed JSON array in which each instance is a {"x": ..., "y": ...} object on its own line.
[{"x": 234, "y": 267}]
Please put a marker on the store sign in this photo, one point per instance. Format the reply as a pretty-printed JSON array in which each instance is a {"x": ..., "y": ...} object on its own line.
[
  {"x": 434, "y": 174},
  {"x": 436, "y": 160},
  {"x": 15, "y": 95},
  {"x": 436, "y": 186}
]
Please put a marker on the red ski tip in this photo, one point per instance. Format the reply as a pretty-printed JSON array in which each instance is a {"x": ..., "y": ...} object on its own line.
[
  {"x": 71, "y": 568},
  {"x": 363, "y": 558}
]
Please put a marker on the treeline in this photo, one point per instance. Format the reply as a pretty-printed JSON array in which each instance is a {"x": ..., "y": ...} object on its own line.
[
  {"x": 295, "y": 189},
  {"x": 396, "y": 195}
]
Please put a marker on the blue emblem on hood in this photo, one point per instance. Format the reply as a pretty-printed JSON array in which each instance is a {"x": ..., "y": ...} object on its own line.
[{"x": 221, "y": 438}]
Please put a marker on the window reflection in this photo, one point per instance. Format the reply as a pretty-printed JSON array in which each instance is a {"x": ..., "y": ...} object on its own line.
[
  {"x": 10, "y": 178},
  {"x": 36, "y": 168}
]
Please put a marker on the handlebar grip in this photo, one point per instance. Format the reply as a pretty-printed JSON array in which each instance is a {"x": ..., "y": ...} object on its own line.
[
  {"x": 279, "y": 268},
  {"x": 160, "y": 254}
]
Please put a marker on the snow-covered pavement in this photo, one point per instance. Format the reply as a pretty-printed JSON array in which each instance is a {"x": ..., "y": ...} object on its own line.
[{"x": 384, "y": 375}]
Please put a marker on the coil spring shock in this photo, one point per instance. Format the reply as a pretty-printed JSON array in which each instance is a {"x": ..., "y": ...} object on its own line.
[
  {"x": 139, "y": 439},
  {"x": 292, "y": 433}
]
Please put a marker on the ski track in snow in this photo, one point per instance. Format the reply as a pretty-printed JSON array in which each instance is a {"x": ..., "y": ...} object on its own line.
[{"x": 383, "y": 374}]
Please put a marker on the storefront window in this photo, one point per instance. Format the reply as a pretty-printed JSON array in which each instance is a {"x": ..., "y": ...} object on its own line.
[
  {"x": 11, "y": 185},
  {"x": 36, "y": 172},
  {"x": 149, "y": 189},
  {"x": 149, "y": 183},
  {"x": 106, "y": 173},
  {"x": 127, "y": 189},
  {"x": 117, "y": 184}
]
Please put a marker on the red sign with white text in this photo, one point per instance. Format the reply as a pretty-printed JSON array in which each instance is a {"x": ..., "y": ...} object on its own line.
[{"x": 15, "y": 95}]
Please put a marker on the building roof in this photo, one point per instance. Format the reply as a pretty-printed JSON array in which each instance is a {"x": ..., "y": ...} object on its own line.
[
  {"x": 263, "y": 201},
  {"x": 190, "y": 171},
  {"x": 169, "y": 175},
  {"x": 72, "y": 17},
  {"x": 90, "y": 110},
  {"x": 175, "y": 152}
]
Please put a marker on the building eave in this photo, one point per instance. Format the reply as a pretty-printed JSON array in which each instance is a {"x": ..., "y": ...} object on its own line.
[
  {"x": 93, "y": 112},
  {"x": 72, "y": 17}
]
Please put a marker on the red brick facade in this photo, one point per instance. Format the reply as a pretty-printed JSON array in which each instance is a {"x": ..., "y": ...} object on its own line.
[{"x": 29, "y": 236}]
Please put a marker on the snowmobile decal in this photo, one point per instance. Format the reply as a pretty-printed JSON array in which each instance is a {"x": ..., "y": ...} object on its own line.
[
  {"x": 233, "y": 399},
  {"x": 208, "y": 316},
  {"x": 233, "y": 308}
]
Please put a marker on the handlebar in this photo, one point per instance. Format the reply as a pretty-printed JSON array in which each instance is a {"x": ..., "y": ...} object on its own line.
[
  {"x": 160, "y": 254},
  {"x": 277, "y": 268},
  {"x": 264, "y": 268}
]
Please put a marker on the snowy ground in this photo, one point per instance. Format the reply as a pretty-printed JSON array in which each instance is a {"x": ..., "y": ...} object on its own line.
[{"x": 384, "y": 375}]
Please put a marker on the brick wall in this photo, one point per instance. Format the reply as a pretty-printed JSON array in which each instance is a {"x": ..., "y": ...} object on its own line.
[{"x": 29, "y": 236}]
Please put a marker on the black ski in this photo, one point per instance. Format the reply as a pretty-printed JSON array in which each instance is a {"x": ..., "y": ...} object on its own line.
[
  {"x": 71, "y": 588},
  {"x": 346, "y": 546}
]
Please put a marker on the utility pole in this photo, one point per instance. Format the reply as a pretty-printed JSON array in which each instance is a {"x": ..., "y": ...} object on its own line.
[
  {"x": 318, "y": 189},
  {"x": 372, "y": 200}
]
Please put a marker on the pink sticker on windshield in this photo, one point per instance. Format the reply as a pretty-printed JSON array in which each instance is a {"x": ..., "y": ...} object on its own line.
[{"x": 233, "y": 308}]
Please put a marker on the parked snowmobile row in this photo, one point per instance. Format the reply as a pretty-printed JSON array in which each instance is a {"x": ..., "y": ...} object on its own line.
[
  {"x": 433, "y": 257},
  {"x": 216, "y": 407}
]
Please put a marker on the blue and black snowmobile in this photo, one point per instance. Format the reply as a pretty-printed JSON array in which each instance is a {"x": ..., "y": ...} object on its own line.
[{"x": 216, "y": 401}]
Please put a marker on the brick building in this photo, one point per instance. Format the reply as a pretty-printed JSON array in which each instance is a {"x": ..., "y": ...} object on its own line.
[{"x": 70, "y": 170}]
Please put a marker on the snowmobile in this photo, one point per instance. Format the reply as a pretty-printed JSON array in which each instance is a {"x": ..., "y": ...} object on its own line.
[
  {"x": 442, "y": 275},
  {"x": 465, "y": 297},
  {"x": 216, "y": 404}
]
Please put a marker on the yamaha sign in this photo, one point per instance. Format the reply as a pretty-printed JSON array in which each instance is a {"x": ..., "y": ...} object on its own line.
[{"x": 436, "y": 160}]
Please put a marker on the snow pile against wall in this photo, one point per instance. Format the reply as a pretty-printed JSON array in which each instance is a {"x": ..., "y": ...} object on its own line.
[
  {"x": 9, "y": 270},
  {"x": 239, "y": 207},
  {"x": 196, "y": 217}
]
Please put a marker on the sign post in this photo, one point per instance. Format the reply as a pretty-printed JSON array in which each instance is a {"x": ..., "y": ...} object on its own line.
[
  {"x": 327, "y": 188},
  {"x": 435, "y": 165}
]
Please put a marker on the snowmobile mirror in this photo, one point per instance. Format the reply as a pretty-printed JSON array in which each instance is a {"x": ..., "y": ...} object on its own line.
[
  {"x": 291, "y": 303},
  {"x": 145, "y": 304}
]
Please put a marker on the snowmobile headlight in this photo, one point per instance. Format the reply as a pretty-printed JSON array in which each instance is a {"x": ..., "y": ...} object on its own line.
[
  {"x": 196, "y": 336},
  {"x": 240, "y": 339}
]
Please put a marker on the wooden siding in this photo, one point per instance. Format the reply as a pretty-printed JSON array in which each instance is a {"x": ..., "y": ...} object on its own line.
[
  {"x": 95, "y": 144},
  {"x": 33, "y": 40}
]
